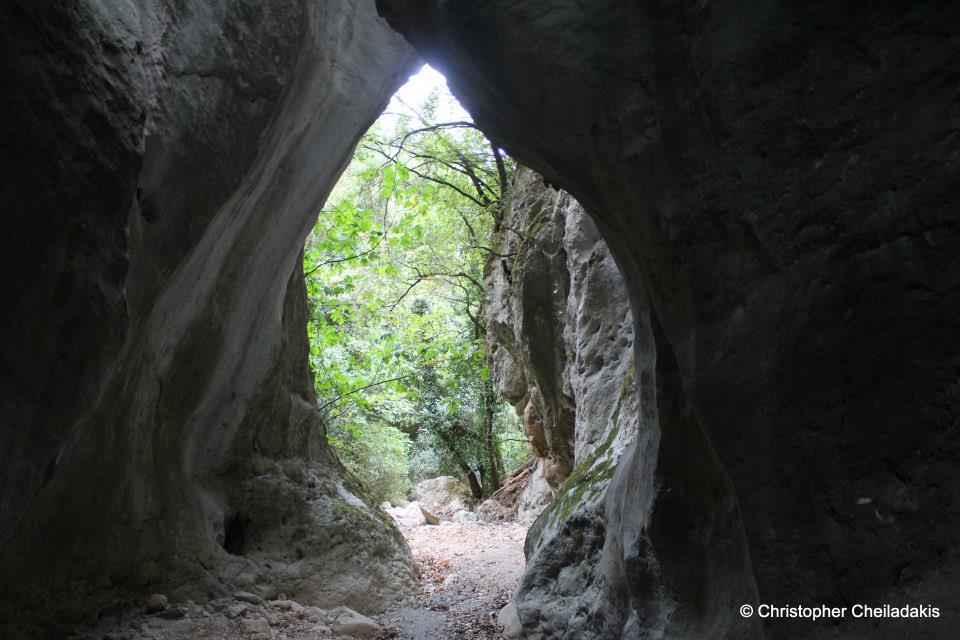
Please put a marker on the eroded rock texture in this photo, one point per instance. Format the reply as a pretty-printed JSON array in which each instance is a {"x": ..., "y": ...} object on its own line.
[
  {"x": 776, "y": 180},
  {"x": 778, "y": 184},
  {"x": 561, "y": 339},
  {"x": 554, "y": 288},
  {"x": 163, "y": 162}
]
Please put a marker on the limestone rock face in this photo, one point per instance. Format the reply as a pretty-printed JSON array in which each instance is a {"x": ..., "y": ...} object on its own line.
[
  {"x": 561, "y": 337},
  {"x": 778, "y": 184},
  {"x": 547, "y": 240},
  {"x": 776, "y": 180},
  {"x": 538, "y": 490},
  {"x": 163, "y": 162}
]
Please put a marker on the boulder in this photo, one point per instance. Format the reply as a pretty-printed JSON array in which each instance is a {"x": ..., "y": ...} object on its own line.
[
  {"x": 442, "y": 495},
  {"x": 255, "y": 626},
  {"x": 428, "y": 517},
  {"x": 510, "y": 621},
  {"x": 285, "y": 605},
  {"x": 536, "y": 493},
  {"x": 348, "y": 622},
  {"x": 157, "y": 602},
  {"x": 313, "y": 614},
  {"x": 407, "y": 516},
  {"x": 173, "y": 613},
  {"x": 463, "y": 515}
]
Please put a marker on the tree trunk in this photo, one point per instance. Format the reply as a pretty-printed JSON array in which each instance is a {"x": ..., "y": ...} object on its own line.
[
  {"x": 476, "y": 487},
  {"x": 490, "y": 443}
]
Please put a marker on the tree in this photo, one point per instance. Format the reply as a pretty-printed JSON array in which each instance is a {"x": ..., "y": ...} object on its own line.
[{"x": 394, "y": 274}]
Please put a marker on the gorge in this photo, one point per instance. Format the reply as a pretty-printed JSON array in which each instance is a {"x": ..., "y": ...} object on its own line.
[{"x": 776, "y": 182}]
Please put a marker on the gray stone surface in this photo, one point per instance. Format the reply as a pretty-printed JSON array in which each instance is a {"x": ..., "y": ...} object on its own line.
[
  {"x": 776, "y": 180},
  {"x": 347, "y": 622},
  {"x": 778, "y": 184},
  {"x": 548, "y": 242},
  {"x": 442, "y": 495},
  {"x": 163, "y": 162}
]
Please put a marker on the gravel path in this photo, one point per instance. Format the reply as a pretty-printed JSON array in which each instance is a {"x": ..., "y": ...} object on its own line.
[{"x": 468, "y": 571}]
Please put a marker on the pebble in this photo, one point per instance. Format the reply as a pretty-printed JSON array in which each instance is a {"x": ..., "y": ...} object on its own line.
[
  {"x": 157, "y": 602},
  {"x": 246, "y": 596}
]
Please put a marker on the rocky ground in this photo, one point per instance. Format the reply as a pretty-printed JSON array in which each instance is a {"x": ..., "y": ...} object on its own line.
[
  {"x": 467, "y": 572},
  {"x": 245, "y": 616}
]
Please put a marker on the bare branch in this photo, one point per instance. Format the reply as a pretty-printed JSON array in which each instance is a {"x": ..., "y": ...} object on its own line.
[
  {"x": 340, "y": 397},
  {"x": 449, "y": 185},
  {"x": 353, "y": 257},
  {"x": 492, "y": 252},
  {"x": 459, "y": 124},
  {"x": 408, "y": 290}
]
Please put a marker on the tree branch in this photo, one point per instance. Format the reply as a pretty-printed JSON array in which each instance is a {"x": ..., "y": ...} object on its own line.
[
  {"x": 340, "y": 397},
  {"x": 492, "y": 252},
  {"x": 458, "y": 124},
  {"x": 425, "y": 176},
  {"x": 353, "y": 257}
]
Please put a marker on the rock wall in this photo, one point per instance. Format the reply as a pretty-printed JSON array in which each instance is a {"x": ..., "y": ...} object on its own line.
[
  {"x": 163, "y": 162},
  {"x": 549, "y": 249},
  {"x": 777, "y": 182},
  {"x": 561, "y": 335}
]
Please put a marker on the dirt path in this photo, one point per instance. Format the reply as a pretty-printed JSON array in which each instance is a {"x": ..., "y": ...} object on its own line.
[{"x": 468, "y": 571}]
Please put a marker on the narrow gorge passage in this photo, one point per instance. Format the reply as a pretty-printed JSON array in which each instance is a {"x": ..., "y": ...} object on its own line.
[
  {"x": 671, "y": 286},
  {"x": 397, "y": 302},
  {"x": 468, "y": 571}
]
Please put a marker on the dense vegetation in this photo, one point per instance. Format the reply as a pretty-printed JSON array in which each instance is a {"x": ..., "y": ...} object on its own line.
[{"x": 394, "y": 271}]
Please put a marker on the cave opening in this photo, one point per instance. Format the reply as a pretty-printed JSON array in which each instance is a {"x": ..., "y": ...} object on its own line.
[
  {"x": 395, "y": 270},
  {"x": 785, "y": 430},
  {"x": 398, "y": 270},
  {"x": 471, "y": 345},
  {"x": 235, "y": 534},
  {"x": 431, "y": 220}
]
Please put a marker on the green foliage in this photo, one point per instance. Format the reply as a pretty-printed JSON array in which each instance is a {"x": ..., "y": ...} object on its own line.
[
  {"x": 376, "y": 453},
  {"x": 394, "y": 271},
  {"x": 514, "y": 447}
]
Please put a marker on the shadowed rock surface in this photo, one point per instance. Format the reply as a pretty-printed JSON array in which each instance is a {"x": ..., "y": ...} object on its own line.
[
  {"x": 778, "y": 184},
  {"x": 163, "y": 163},
  {"x": 777, "y": 181}
]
